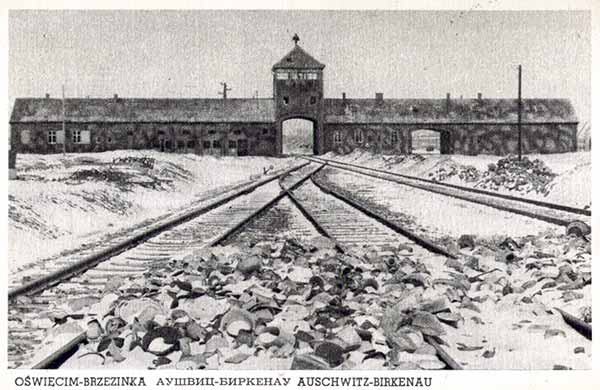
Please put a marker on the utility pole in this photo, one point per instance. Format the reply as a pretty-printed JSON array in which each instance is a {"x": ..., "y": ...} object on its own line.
[
  {"x": 519, "y": 116},
  {"x": 64, "y": 125},
  {"x": 225, "y": 89}
]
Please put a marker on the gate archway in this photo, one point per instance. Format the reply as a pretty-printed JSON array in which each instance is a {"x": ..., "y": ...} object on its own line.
[
  {"x": 430, "y": 141},
  {"x": 298, "y": 136}
]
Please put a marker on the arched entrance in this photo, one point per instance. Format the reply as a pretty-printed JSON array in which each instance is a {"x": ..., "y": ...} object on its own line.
[
  {"x": 298, "y": 137},
  {"x": 430, "y": 141}
]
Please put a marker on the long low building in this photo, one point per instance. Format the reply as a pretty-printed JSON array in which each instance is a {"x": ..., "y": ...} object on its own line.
[{"x": 254, "y": 126}]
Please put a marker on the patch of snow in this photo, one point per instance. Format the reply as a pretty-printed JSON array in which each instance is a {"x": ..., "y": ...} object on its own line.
[
  {"x": 572, "y": 186},
  {"x": 50, "y": 211}
]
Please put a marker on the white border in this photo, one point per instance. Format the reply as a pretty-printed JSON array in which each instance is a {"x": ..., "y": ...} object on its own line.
[{"x": 504, "y": 379}]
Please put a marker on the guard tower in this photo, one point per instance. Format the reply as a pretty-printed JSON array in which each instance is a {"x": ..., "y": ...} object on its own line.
[{"x": 298, "y": 93}]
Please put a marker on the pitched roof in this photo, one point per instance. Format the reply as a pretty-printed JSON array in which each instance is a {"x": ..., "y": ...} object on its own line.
[
  {"x": 263, "y": 110},
  {"x": 435, "y": 111},
  {"x": 144, "y": 110},
  {"x": 297, "y": 58}
]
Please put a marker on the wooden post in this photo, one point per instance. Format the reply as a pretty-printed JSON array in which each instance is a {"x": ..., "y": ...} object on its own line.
[
  {"x": 519, "y": 116},
  {"x": 225, "y": 89},
  {"x": 64, "y": 125}
]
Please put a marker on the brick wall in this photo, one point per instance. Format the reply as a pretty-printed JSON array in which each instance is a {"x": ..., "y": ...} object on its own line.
[
  {"x": 497, "y": 139},
  {"x": 255, "y": 138}
]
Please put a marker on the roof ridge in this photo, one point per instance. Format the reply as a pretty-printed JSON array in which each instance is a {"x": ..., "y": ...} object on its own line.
[{"x": 309, "y": 61}]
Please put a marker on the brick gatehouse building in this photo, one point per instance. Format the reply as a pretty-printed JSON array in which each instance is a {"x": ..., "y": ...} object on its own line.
[{"x": 254, "y": 126}]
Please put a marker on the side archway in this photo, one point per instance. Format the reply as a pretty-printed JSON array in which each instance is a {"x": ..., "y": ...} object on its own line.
[{"x": 430, "y": 141}]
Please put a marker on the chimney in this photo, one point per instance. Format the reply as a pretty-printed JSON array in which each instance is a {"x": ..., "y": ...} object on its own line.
[
  {"x": 478, "y": 95},
  {"x": 447, "y": 102},
  {"x": 116, "y": 96},
  {"x": 47, "y": 96},
  {"x": 378, "y": 96}
]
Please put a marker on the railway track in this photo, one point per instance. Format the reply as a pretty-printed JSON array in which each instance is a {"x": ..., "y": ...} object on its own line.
[
  {"x": 253, "y": 211},
  {"x": 561, "y": 215},
  {"x": 207, "y": 226}
]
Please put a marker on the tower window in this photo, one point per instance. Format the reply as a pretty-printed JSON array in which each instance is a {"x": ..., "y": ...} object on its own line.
[
  {"x": 337, "y": 137},
  {"x": 282, "y": 75},
  {"x": 286, "y": 100},
  {"x": 358, "y": 136},
  {"x": 313, "y": 100}
]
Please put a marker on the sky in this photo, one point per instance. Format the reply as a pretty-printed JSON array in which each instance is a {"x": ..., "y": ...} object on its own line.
[{"x": 404, "y": 54}]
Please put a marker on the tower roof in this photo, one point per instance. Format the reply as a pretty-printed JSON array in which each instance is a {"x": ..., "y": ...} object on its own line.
[{"x": 297, "y": 58}]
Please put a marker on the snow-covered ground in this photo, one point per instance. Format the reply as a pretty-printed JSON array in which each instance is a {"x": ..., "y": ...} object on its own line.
[
  {"x": 59, "y": 201},
  {"x": 572, "y": 186},
  {"x": 424, "y": 209}
]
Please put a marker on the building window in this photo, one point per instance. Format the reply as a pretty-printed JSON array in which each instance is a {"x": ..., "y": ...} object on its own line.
[
  {"x": 25, "y": 137},
  {"x": 232, "y": 144},
  {"x": 76, "y": 136},
  {"x": 211, "y": 132},
  {"x": 109, "y": 140},
  {"x": 81, "y": 136},
  {"x": 206, "y": 144},
  {"x": 358, "y": 136},
  {"x": 180, "y": 144},
  {"x": 191, "y": 144},
  {"x": 265, "y": 131},
  {"x": 237, "y": 132},
  {"x": 395, "y": 137},
  {"x": 282, "y": 75},
  {"x": 52, "y": 136},
  {"x": 293, "y": 75},
  {"x": 286, "y": 100},
  {"x": 185, "y": 132},
  {"x": 98, "y": 139},
  {"x": 312, "y": 76},
  {"x": 313, "y": 100},
  {"x": 337, "y": 137},
  {"x": 216, "y": 144}
]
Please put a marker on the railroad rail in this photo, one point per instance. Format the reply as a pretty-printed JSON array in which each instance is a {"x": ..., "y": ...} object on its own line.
[
  {"x": 87, "y": 262},
  {"x": 205, "y": 226},
  {"x": 548, "y": 212},
  {"x": 332, "y": 215}
]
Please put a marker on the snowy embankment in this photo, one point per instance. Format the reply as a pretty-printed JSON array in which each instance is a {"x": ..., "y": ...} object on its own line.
[
  {"x": 60, "y": 202},
  {"x": 572, "y": 185}
]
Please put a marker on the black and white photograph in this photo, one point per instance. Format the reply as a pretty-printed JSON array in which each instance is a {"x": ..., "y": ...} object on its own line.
[{"x": 287, "y": 189}]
